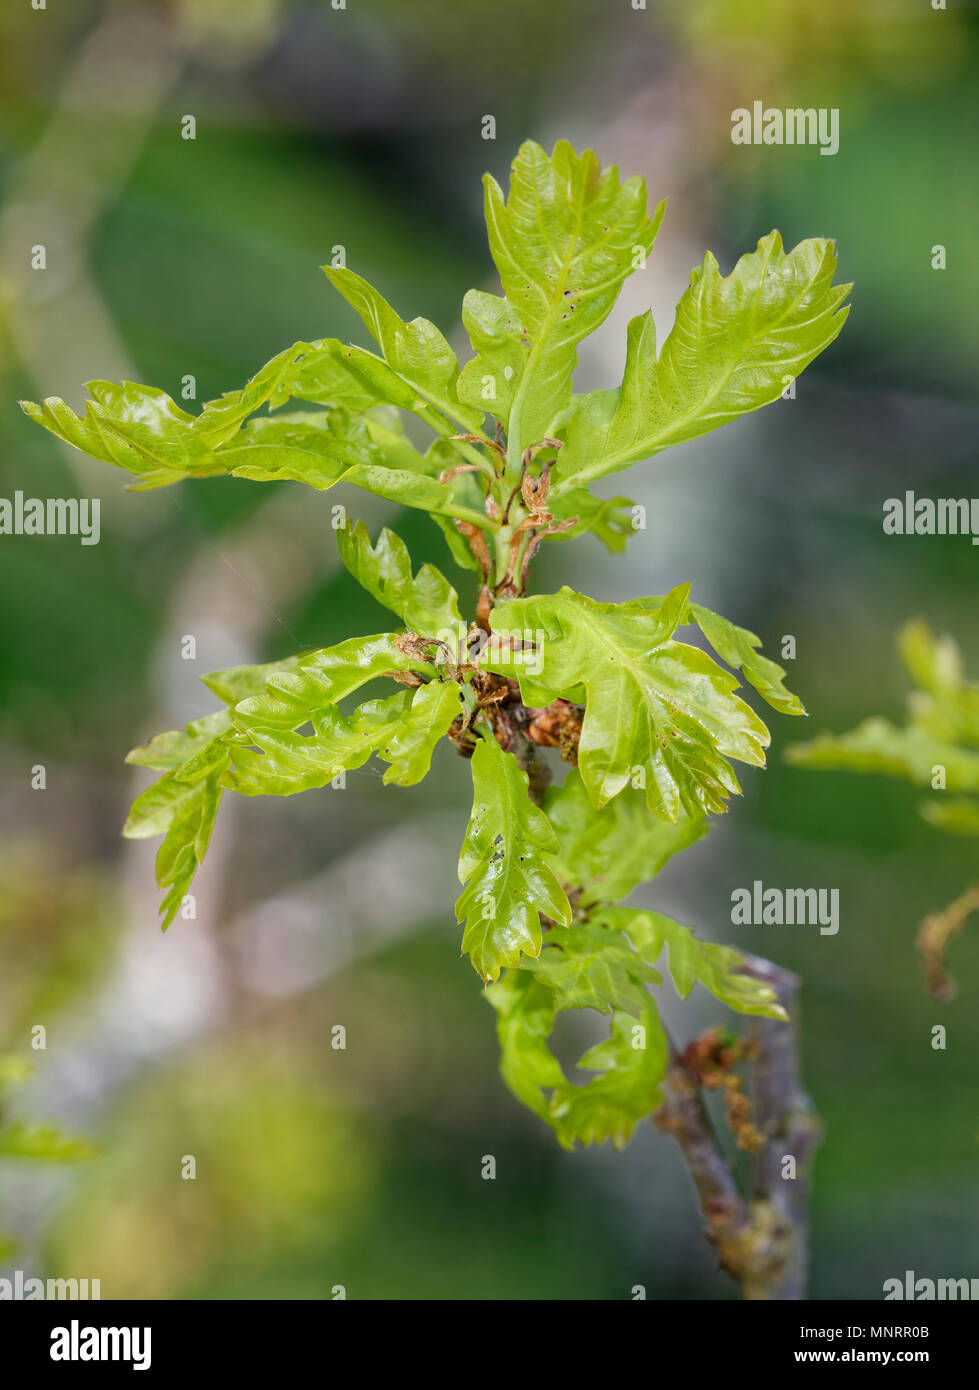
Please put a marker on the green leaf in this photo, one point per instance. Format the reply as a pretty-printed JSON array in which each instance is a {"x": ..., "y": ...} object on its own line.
[
  {"x": 335, "y": 374},
  {"x": 946, "y": 705},
  {"x": 143, "y": 431},
  {"x": 563, "y": 242},
  {"x": 934, "y": 663},
  {"x": 877, "y": 745},
  {"x": 177, "y": 746},
  {"x": 323, "y": 449},
  {"x": 525, "y": 1019},
  {"x": 607, "y": 853},
  {"x": 182, "y": 806},
  {"x": 506, "y": 867},
  {"x": 238, "y": 683},
  {"x": 605, "y": 518},
  {"x": 590, "y": 967},
  {"x": 489, "y": 381},
  {"x": 425, "y": 719},
  {"x": 426, "y": 603},
  {"x": 656, "y": 710},
  {"x": 736, "y": 646},
  {"x": 417, "y": 352},
  {"x": 220, "y": 420},
  {"x": 281, "y": 762},
  {"x": 734, "y": 342},
  {"x": 47, "y": 1142},
  {"x": 324, "y": 678},
  {"x": 944, "y": 717},
  {"x": 632, "y": 1065},
  {"x": 134, "y": 427},
  {"x": 718, "y": 968}
]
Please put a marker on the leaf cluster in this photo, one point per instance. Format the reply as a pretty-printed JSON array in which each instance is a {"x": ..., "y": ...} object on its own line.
[{"x": 651, "y": 722}]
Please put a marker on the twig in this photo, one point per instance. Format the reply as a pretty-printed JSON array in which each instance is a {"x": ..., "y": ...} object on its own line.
[
  {"x": 934, "y": 936},
  {"x": 785, "y": 1116},
  {"x": 761, "y": 1238}
]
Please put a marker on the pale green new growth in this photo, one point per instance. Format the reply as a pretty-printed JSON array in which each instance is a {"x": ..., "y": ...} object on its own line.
[
  {"x": 652, "y": 722},
  {"x": 941, "y": 732}
]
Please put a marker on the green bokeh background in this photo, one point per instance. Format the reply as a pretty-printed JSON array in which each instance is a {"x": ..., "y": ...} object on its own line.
[{"x": 361, "y": 1167}]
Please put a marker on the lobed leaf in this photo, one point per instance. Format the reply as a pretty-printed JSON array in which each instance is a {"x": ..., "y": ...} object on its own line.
[
  {"x": 589, "y": 967},
  {"x": 877, "y": 745},
  {"x": 563, "y": 242},
  {"x": 324, "y": 678},
  {"x": 272, "y": 761},
  {"x": 657, "y": 711},
  {"x": 182, "y": 807},
  {"x": 426, "y": 603},
  {"x": 606, "y": 853},
  {"x": 506, "y": 866},
  {"x": 424, "y": 721},
  {"x": 416, "y": 352},
  {"x": 734, "y": 342},
  {"x": 631, "y": 1065},
  {"x": 718, "y": 968}
]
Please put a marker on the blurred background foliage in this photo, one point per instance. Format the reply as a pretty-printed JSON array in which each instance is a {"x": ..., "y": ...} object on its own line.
[{"x": 319, "y": 1166}]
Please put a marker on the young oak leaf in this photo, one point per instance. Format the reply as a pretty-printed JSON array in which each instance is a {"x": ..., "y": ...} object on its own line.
[
  {"x": 945, "y": 703},
  {"x": 416, "y": 352},
  {"x": 563, "y": 242},
  {"x": 608, "y": 519},
  {"x": 182, "y": 806},
  {"x": 143, "y": 431},
  {"x": 322, "y": 678},
  {"x": 605, "y": 854},
  {"x": 877, "y": 745},
  {"x": 933, "y": 663},
  {"x": 738, "y": 648},
  {"x": 735, "y": 341},
  {"x": 656, "y": 710},
  {"x": 403, "y": 729},
  {"x": 138, "y": 428},
  {"x": 270, "y": 761},
  {"x": 426, "y": 602},
  {"x": 526, "y": 1012},
  {"x": 176, "y": 747},
  {"x": 506, "y": 866},
  {"x": 220, "y": 419},
  {"x": 591, "y": 967},
  {"x": 631, "y": 1065},
  {"x": 489, "y": 381},
  {"x": 323, "y": 449},
  {"x": 718, "y": 968},
  {"x": 326, "y": 372},
  {"x": 425, "y": 719},
  {"x": 942, "y": 731}
]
